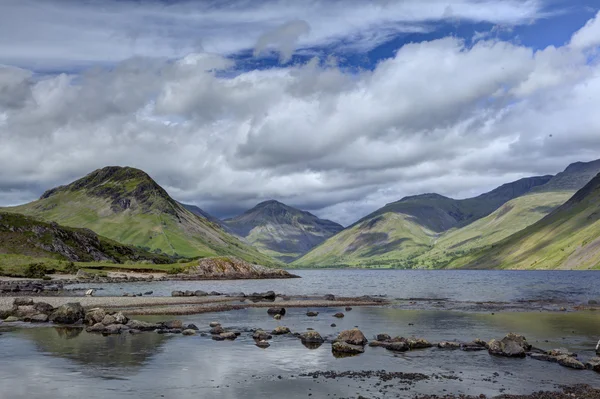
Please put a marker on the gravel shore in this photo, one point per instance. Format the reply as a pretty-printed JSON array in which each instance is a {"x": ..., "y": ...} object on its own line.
[{"x": 186, "y": 305}]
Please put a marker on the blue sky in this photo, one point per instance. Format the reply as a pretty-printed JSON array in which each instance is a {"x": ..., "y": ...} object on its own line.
[{"x": 334, "y": 106}]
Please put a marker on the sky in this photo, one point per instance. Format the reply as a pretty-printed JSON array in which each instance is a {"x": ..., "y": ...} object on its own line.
[{"x": 336, "y": 107}]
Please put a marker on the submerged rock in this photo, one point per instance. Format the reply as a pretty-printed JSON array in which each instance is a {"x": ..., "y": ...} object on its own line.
[
  {"x": 280, "y": 330},
  {"x": 449, "y": 345},
  {"x": 188, "y": 331},
  {"x": 343, "y": 347},
  {"x": 260, "y": 335},
  {"x": 312, "y": 314},
  {"x": 142, "y": 325},
  {"x": 213, "y": 324},
  {"x": 339, "y": 315},
  {"x": 274, "y": 311},
  {"x": 263, "y": 344}
]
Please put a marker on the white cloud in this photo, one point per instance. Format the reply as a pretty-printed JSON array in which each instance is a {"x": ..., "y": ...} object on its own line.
[
  {"x": 439, "y": 116},
  {"x": 588, "y": 36},
  {"x": 46, "y": 34}
]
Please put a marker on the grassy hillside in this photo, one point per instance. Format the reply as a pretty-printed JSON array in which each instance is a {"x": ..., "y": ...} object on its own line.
[
  {"x": 568, "y": 238},
  {"x": 388, "y": 240},
  {"x": 281, "y": 231},
  {"x": 126, "y": 205},
  {"x": 510, "y": 218}
]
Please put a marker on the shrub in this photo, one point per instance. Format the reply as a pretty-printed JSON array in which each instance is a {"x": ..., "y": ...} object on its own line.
[
  {"x": 71, "y": 268},
  {"x": 46, "y": 278},
  {"x": 36, "y": 270}
]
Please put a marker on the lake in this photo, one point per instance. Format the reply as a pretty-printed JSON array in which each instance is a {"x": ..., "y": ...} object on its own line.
[{"x": 60, "y": 363}]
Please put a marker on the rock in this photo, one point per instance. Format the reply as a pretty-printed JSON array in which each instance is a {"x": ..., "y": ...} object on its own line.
[
  {"x": 571, "y": 362},
  {"x": 188, "y": 331},
  {"x": 113, "y": 329},
  {"x": 94, "y": 316},
  {"x": 311, "y": 337},
  {"x": 260, "y": 335},
  {"x": 134, "y": 331},
  {"x": 89, "y": 292},
  {"x": 561, "y": 352},
  {"x": 70, "y": 313},
  {"x": 339, "y": 315},
  {"x": 148, "y": 292},
  {"x": 22, "y": 302},
  {"x": 142, "y": 325},
  {"x": 39, "y": 318},
  {"x": 214, "y": 324},
  {"x": 312, "y": 314},
  {"x": 598, "y": 348},
  {"x": 277, "y": 317},
  {"x": 188, "y": 293},
  {"x": 343, "y": 347},
  {"x": 274, "y": 311},
  {"x": 352, "y": 337},
  {"x": 11, "y": 319},
  {"x": 192, "y": 326},
  {"x": 512, "y": 345},
  {"x": 280, "y": 330},
  {"x": 44, "y": 308},
  {"x": 263, "y": 344},
  {"x": 177, "y": 293},
  {"x": 83, "y": 275},
  {"x": 329, "y": 297},
  {"x": 348, "y": 308},
  {"x": 480, "y": 342},
  {"x": 472, "y": 346},
  {"x": 333, "y": 325},
  {"x": 120, "y": 318},
  {"x": 24, "y": 311},
  {"x": 397, "y": 346},
  {"x": 228, "y": 335},
  {"x": 173, "y": 324},
  {"x": 418, "y": 343},
  {"x": 543, "y": 357},
  {"x": 98, "y": 327},
  {"x": 449, "y": 345},
  {"x": 383, "y": 337},
  {"x": 563, "y": 309},
  {"x": 108, "y": 320},
  {"x": 593, "y": 364},
  {"x": 217, "y": 330},
  {"x": 200, "y": 293}
]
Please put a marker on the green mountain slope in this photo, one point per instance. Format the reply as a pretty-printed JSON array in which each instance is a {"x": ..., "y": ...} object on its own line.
[
  {"x": 396, "y": 234},
  {"x": 26, "y": 237},
  {"x": 567, "y": 238},
  {"x": 126, "y": 205},
  {"x": 281, "y": 231},
  {"x": 510, "y": 218}
]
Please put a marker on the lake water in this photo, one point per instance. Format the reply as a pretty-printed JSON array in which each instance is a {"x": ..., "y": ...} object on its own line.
[
  {"x": 43, "y": 362},
  {"x": 455, "y": 285}
]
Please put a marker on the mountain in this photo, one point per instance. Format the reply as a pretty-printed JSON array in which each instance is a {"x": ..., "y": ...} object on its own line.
[
  {"x": 567, "y": 238},
  {"x": 202, "y": 213},
  {"x": 397, "y": 233},
  {"x": 22, "y": 235},
  {"x": 281, "y": 231},
  {"x": 573, "y": 178},
  {"x": 126, "y": 205}
]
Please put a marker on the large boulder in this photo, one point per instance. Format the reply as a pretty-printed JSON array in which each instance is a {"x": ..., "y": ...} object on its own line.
[
  {"x": 352, "y": 337},
  {"x": 70, "y": 313},
  {"x": 571, "y": 362},
  {"x": 44, "y": 308},
  {"x": 513, "y": 345}
]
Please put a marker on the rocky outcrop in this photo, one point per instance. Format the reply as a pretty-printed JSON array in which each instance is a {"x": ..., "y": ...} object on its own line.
[{"x": 229, "y": 268}]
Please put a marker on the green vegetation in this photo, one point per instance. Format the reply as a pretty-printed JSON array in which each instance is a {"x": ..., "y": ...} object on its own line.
[
  {"x": 568, "y": 238},
  {"x": 280, "y": 231},
  {"x": 127, "y": 206}
]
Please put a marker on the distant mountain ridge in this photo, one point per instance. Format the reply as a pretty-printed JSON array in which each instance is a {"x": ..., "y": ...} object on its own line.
[
  {"x": 281, "y": 231},
  {"x": 126, "y": 205},
  {"x": 431, "y": 230}
]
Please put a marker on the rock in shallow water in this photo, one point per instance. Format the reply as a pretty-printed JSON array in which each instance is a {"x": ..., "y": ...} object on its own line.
[
  {"x": 311, "y": 337},
  {"x": 343, "y": 347},
  {"x": 70, "y": 313},
  {"x": 352, "y": 337},
  {"x": 280, "y": 330},
  {"x": 260, "y": 335},
  {"x": 513, "y": 345}
]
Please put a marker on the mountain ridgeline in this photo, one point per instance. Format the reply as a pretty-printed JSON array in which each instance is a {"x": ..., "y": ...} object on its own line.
[
  {"x": 433, "y": 231},
  {"x": 127, "y": 206},
  {"x": 281, "y": 231}
]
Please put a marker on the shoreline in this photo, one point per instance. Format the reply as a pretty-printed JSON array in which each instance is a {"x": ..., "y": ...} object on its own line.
[{"x": 189, "y": 305}]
